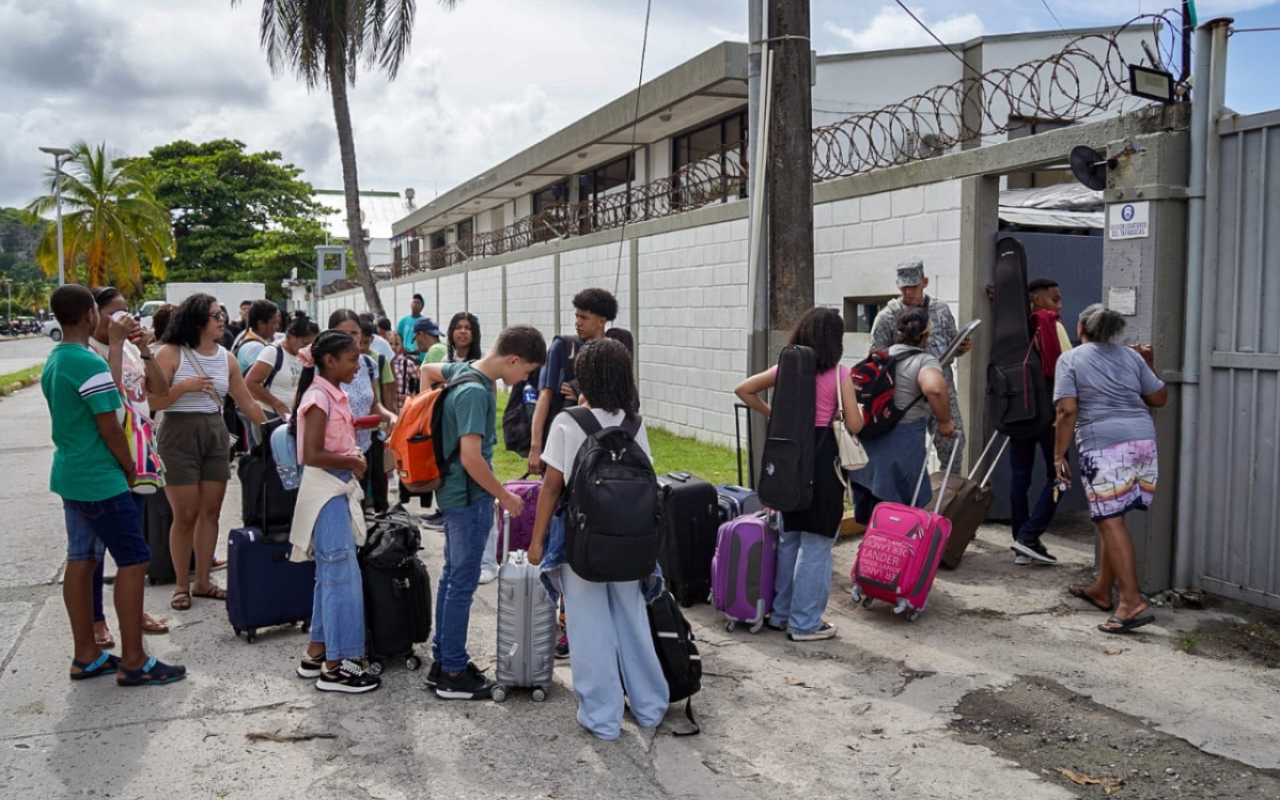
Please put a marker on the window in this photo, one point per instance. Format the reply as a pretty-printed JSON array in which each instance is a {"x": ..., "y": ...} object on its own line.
[
  {"x": 604, "y": 194},
  {"x": 860, "y": 312},
  {"x": 552, "y": 205},
  {"x": 553, "y": 195},
  {"x": 712, "y": 159}
]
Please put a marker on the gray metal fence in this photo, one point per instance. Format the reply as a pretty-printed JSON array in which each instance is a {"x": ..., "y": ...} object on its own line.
[{"x": 1237, "y": 533}]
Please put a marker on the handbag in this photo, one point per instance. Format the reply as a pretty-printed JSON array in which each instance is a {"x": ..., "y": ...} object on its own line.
[
  {"x": 852, "y": 456},
  {"x": 213, "y": 393},
  {"x": 139, "y": 431}
]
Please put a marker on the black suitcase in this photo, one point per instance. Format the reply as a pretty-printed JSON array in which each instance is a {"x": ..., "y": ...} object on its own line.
[
  {"x": 786, "y": 465},
  {"x": 157, "y": 518},
  {"x": 397, "y": 612},
  {"x": 264, "y": 502},
  {"x": 688, "y": 517}
]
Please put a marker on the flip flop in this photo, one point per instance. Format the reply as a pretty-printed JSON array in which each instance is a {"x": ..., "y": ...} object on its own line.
[
  {"x": 215, "y": 593},
  {"x": 181, "y": 601},
  {"x": 104, "y": 641},
  {"x": 218, "y": 563},
  {"x": 1126, "y": 625},
  {"x": 106, "y": 664},
  {"x": 1075, "y": 591},
  {"x": 152, "y": 625}
]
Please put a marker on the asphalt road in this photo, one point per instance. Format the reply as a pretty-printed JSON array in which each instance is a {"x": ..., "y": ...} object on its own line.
[{"x": 18, "y": 354}]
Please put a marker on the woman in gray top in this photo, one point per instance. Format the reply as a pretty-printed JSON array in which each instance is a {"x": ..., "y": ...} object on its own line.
[
  {"x": 1104, "y": 392},
  {"x": 896, "y": 459}
]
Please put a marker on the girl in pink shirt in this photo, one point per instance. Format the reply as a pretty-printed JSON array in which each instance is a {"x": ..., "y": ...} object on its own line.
[{"x": 326, "y": 437}]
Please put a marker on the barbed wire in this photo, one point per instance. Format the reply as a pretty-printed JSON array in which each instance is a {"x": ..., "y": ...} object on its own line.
[{"x": 1088, "y": 76}]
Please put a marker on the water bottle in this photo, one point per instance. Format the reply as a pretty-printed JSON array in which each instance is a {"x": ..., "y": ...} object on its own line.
[{"x": 530, "y": 394}]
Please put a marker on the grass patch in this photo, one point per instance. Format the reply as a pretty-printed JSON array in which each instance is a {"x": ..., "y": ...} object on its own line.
[
  {"x": 14, "y": 377},
  {"x": 671, "y": 453},
  {"x": 1189, "y": 643}
]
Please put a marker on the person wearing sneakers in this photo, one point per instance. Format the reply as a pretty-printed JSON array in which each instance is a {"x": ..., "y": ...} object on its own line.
[
  {"x": 1051, "y": 341},
  {"x": 329, "y": 524},
  {"x": 466, "y": 497},
  {"x": 92, "y": 472}
]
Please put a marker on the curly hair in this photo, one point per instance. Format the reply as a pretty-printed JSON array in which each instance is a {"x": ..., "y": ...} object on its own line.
[
  {"x": 474, "y": 352},
  {"x": 261, "y": 312},
  {"x": 911, "y": 326},
  {"x": 189, "y": 321},
  {"x": 598, "y": 302},
  {"x": 822, "y": 330},
  {"x": 328, "y": 344},
  {"x": 603, "y": 371},
  {"x": 1101, "y": 324},
  {"x": 161, "y": 318}
]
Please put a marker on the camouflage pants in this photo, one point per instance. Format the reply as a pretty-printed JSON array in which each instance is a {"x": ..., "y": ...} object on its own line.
[{"x": 945, "y": 447}]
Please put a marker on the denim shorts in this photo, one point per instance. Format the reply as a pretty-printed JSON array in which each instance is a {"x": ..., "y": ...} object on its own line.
[{"x": 111, "y": 525}]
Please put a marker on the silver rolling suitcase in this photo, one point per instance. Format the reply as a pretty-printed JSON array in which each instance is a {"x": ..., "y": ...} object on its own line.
[{"x": 526, "y": 626}]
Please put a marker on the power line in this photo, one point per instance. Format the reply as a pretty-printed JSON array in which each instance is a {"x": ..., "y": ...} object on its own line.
[
  {"x": 1045, "y": 3},
  {"x": 934, "y": 36},
  {"x": 635, "y": 124}
]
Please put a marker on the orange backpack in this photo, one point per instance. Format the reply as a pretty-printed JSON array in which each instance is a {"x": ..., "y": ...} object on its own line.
[{"x": 417, "y": 443}]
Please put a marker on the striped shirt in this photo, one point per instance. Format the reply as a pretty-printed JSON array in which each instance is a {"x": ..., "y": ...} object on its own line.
[{"x": 214, "y": 366}]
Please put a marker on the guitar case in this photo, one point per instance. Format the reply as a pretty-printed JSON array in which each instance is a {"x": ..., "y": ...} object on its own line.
[{"x": 1018, "y": 399}]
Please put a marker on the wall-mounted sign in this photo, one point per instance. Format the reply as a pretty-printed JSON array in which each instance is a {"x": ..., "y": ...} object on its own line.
[{"x": 1129, "y": 220}]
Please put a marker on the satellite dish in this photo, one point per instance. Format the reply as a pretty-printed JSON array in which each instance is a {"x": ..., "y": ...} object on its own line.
[{"x": 1090, "y": 167}]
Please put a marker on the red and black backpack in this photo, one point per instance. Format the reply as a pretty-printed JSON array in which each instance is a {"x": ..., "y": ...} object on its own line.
[{"x": 875, "y": 379}]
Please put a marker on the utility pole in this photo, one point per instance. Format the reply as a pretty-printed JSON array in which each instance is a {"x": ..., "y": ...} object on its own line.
[{"x": 789, "y": 172}]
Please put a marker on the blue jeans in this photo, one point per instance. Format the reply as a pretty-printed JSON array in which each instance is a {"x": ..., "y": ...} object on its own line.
[
  {"x": 1027, "y": 525},
  {"x": 803, "y": 583},
  {"x": 337, "y": 607},
  {"x": 612, "y": 649},
  {"x": 99, "y": 574},
  {"x": 466, "y": 533}
]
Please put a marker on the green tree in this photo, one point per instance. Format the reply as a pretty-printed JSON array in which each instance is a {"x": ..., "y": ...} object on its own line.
[
  {"x": 221, "y": 199},
  {"x": 278, "y": 251},
  {"x": 20, "y": 232},
  {"x": 111, "y": 220},
  {"x": 322, "y": 42}
]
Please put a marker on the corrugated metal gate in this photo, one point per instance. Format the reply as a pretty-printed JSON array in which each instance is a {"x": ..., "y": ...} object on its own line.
[{"x": 1238, "y": 504}]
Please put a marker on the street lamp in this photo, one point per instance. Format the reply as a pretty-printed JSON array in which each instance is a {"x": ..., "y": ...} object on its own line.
[
  {"x": 58, "y": 154},
  {"x": 8, "y": 288}
]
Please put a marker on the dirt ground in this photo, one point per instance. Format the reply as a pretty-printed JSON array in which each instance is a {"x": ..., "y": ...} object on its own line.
[
  {"x": 1255, "y": 638},
  {"x": 1045, "y": 727}
]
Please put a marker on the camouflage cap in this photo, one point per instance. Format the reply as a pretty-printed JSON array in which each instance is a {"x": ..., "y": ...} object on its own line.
[{"x": 910, "y": 273}]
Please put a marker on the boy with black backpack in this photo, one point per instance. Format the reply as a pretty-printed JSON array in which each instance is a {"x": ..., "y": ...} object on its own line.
[{"x": 599, "y": 505}]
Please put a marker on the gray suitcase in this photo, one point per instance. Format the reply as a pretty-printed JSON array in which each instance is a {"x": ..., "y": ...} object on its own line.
[{"x": 526, "y": 626}]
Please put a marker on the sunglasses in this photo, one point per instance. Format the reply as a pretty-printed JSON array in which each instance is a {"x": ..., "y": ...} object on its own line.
[{"x": 221, "y": 316}]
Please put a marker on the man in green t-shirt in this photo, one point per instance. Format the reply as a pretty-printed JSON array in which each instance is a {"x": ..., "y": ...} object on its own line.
[
  {"x": 92, "y": 472},
  {"x": 467, "y": 494}
]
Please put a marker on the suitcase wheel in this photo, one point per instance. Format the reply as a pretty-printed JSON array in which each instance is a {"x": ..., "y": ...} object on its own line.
[
  {"x": 866, "y": 602},
  {"x": 730, "y": 625},
  {"x": 251, "y": 635},
  {"x": 913, "y": 616},
  {"x": 498, "y": 693},
  {"x": 306, "y": 626},
  {"x": 759, "y": 626},
  {"x": 856, "y": 594},
  {"x": 375, "y": 667},
  {"x": 412, "y": 663},
  {"x": 539, "y": 694}
]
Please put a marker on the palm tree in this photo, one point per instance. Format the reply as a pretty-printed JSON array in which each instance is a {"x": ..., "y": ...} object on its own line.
[
  {"x": 34, "y": 294},
  {"x": 322, "y": 42},
  {"x": 111, "y": 220}
]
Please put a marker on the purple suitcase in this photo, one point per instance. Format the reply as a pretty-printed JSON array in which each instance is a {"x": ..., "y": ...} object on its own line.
[
  {"x": 521, "y": 526},
  {"x": 744, "y": 568}
]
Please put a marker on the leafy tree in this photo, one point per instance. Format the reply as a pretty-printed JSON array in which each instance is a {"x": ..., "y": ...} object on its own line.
[
  {"x": 222, "y": 199},
  {"x": 111, "y": 221},
  {"x": 322, "y": 42},
  {"x": 19, "y": 234},
  {"x": 278, "y": 251}
]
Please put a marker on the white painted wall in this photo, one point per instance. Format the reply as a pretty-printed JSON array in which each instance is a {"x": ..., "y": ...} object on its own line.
[{"x": 596, "y": 266}]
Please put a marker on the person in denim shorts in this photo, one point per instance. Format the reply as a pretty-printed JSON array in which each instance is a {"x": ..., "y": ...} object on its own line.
[{"x": 92, "y": 471}]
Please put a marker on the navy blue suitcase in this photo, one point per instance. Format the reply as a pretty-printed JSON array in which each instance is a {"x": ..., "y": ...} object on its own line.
[
  {"x": 736, "y": 501},
  {"x": 264, "y": 588}
]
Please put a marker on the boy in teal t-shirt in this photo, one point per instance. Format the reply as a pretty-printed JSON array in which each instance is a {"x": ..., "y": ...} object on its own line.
[
  {"x": 467, "y": 494},
  {"x": 92, "y": 471}
]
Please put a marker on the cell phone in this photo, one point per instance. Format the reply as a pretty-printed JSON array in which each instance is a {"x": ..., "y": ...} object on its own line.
[{"x": 369, "y": 422}]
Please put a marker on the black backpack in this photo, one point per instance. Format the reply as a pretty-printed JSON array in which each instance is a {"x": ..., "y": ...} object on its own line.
[
  {"x": 786, "y": 465},
  {"x": 392, "y": 539},
  {"x": 874, "y": 379},
  {"x": 517, "y": 419},
  {"x": 677, "y": 654},
  {"x": 610, "y": 504}
]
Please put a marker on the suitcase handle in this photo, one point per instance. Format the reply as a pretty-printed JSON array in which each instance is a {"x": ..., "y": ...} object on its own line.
[
  {"x": 978, "y": 464},
  {"x": 924, "y": 470}
]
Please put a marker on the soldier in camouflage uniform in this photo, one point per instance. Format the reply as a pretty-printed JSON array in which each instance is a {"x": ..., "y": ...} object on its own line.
[{"x": 912, "y": 283}]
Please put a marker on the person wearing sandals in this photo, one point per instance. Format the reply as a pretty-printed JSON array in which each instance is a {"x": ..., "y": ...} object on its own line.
[
  {"x": 135, "y": 372},
  {"x": 92, "y": 472},
  {"x": 1103, "y": 392},
  {"x": 803, "y": 581},
  {"x": 193, "y": 440},
  {"x": 329, "y": 524}
]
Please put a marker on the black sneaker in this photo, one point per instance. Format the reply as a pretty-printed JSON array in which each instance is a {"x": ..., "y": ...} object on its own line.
[
  {"x": 309, "y": 667},
  {"x": 470, "y": 684},
  {"x": 562, "y": 646},
  {"x": 433, "y": 676},
  {"x": 824, "y": 631},
  {"x": 349, "y": 678},
  {"x": 1035, "y": 551},
  {"x": 433, "y": 522}
]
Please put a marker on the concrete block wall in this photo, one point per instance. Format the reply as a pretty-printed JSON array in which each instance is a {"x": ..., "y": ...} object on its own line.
[
  {"x": 485, "y": 302},
  {"x": 693, "y": 328},
  {"x": 451, "y": 297},
  {"x": 531, "y": 292},
  {"x": 596, "y": 266}
]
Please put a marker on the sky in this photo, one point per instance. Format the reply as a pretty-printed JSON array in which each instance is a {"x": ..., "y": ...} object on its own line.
[{"x": 481, "y": 83}]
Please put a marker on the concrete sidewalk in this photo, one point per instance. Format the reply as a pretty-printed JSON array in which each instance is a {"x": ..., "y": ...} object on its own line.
[{"x": 872, "y": 713}]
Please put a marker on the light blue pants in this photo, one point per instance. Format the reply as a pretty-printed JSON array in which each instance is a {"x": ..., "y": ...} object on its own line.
[
  {"x": 803, "y": 583},
  {"x": 489, "y": 561},
  {"x": 610, "y": 631},
  {"x": 337, "y": 609}
]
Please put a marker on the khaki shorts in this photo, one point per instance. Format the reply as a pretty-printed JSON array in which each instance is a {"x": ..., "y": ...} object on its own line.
[{"x": 195, "y": 448}]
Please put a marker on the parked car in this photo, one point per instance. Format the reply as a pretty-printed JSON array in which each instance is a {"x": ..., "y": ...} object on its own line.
[{"x": 54, "y": 330}]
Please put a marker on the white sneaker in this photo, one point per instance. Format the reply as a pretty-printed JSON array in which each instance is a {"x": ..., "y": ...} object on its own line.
[
  {"x": 1022, "y": 560},
  {"x": 825, "y": 631},
  {"x": 488, "y": 574}
]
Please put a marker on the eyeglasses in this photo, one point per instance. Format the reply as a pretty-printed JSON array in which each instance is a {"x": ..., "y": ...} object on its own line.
[{"x": 221, "y": 315}]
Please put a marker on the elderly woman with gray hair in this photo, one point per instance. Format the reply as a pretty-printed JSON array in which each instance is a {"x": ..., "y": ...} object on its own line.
[{"x": 1104, "y": 392}]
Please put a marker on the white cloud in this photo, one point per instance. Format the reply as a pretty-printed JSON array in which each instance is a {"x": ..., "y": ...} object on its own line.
[
  {"x": 892, "y": 27},
  {"x": 726, "y": 35}
]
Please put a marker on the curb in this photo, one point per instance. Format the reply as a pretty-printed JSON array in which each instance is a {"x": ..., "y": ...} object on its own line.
[{"x": 5, "y": 391}]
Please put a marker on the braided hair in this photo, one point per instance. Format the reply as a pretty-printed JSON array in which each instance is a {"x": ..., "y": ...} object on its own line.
[
  {"x": 331, "y": 344},
  {"x": 603, "y": 371}
]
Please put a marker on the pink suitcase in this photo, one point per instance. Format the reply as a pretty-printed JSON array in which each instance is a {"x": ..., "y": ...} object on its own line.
[
  {"x": 522, "y": 526},
  {"x": 900, "y": 553},
  {"x": 744, "y": 568}
]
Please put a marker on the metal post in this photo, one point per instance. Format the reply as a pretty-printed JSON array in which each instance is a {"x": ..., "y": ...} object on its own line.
[
  {"x": 759, "y": 82},
  {"x": 57, "y": 201},
  {"x": 1188, "y": 30}
]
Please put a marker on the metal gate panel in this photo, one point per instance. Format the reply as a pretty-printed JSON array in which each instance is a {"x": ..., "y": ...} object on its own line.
[{"x": 1238, "y": 524}]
